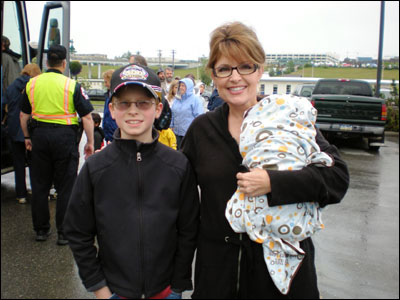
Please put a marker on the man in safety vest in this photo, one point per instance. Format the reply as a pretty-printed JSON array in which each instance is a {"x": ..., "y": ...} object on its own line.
[{"x": 53, "y": 100}]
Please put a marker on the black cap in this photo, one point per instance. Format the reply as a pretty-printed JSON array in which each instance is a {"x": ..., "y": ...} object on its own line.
[
  {"x": 139, "y": 75},
  {"x": 160, "y": 70},
  {"x": 57, "y": 52}
]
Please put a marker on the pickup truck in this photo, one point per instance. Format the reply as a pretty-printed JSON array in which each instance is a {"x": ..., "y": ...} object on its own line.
[{"x": 347, "y": 108}]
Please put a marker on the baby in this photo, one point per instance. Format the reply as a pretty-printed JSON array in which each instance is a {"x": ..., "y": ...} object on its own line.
[{"x": 278, "y": 133}]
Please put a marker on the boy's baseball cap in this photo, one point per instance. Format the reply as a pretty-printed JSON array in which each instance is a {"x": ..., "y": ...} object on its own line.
[
  {"x": 139, "y": 75},
  {"x": 57, "y": 52}
]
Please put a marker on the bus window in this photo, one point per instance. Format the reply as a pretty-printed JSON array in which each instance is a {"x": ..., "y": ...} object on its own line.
[
  {"x": 54, "y": 28},
  {"x": 12, "y": 29},
  {"x": 54, "y": 31}
]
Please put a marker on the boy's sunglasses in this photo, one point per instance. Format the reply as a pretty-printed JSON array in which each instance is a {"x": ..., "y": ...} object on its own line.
[{"x": 141, "y": 104}]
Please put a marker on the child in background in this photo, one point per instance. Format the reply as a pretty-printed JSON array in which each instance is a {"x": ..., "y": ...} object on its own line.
[
  {"x": 168, "y": 138},
  {"x": 98, "y": 132},
  {"x": 138, "y": 198}
]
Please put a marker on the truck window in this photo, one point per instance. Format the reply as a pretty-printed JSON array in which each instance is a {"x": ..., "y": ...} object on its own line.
[
  {"x": 344, "y": 88},
  {"x": 12, "y": 28},
  {"x": 307, "y": 91}
]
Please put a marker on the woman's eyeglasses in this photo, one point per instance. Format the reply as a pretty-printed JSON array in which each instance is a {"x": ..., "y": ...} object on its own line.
[
  {"x": 243, "y": 69},
  {"x": 141, "y": 104}
]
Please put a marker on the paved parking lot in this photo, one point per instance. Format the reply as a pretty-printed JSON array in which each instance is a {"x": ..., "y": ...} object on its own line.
[{"x": 357, "y": 255}]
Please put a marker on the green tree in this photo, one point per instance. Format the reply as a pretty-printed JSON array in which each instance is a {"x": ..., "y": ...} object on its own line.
[
  {"x": 75, "y": 67},
  {"x": 204, "y": 74},
  {"x": 290, "y": 66}
]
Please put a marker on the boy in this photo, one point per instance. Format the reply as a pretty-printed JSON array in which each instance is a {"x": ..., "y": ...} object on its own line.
[
  {"x": 98, "y": 132},
  {"x": 146, "y": 216}
]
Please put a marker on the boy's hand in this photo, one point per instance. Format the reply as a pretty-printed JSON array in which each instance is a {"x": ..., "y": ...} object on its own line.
[
  {"x": 254, "y": 183},
  {"x": 103, "y": 293}
]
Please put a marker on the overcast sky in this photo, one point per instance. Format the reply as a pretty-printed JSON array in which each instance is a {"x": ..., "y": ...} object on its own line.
[{"x": 345, "y": 28}]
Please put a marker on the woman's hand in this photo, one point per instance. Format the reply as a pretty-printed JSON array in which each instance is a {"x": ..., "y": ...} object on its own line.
[{"x": 254, "y": 183}]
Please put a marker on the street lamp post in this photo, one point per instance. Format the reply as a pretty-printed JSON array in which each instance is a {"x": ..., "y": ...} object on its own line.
[{"x": 379, "y": 73}]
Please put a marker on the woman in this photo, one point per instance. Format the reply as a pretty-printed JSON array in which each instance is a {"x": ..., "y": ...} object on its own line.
[
  {"x": 13, "y": 99},
  {"x": 173, "y": 89},
  {"x": 230, "y": 265},
  {"x": 186, "y": 107}
]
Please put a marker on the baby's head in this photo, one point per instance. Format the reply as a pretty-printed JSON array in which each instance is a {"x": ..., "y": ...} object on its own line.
[{"x": 135, "y": 101}]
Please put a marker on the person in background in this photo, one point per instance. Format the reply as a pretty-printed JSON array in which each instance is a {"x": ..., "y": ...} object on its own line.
[
  {"x": 13, "y": 99},
  {"x": 109, "y": 124},
  {"x": 172, "y": 92},
  {"x": 215, "y": 100},
  {"x": 54, "y": 102},
  {"x": 199, "y": 88},
  {"x": 161, "y": 76},
  {"x": 169, "y": 77},
  {"x": 185, "y": 109},
  {"x": 9, "y": 63},
  {"x": 168, "y": 138},
  {"x": 135, "y": 236},
  {"x": 191, "y": 76},
  {"x": 230, "y": 265},
  {"x": 138, "y": 59},
  {"x": 98, "y": 131}
]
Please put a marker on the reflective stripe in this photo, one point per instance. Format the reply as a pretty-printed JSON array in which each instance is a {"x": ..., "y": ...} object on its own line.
[
  {"x": 32, "y": 93},
  {"x": 66, "y": 100},
  {"x": 55, "y": 116}
]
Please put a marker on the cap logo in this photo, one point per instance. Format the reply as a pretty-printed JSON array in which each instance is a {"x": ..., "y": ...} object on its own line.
[{"x": 134, "y": 73}]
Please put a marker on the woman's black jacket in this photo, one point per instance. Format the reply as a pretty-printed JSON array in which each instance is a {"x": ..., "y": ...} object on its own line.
[{"x": 228, "y": 264}]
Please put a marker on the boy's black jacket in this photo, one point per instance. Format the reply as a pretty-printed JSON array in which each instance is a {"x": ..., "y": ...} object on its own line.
[{"x": 141, "y": 202}]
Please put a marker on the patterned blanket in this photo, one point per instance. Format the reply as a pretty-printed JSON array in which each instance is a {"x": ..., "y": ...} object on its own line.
[{"x": 278, "y": 133}]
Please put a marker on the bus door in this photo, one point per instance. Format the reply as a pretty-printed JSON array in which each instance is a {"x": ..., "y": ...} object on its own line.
[{"x": 54, "y": 30}]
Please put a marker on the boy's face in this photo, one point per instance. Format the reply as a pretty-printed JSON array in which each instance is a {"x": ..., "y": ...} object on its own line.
[{"x": 135, "y": 123}]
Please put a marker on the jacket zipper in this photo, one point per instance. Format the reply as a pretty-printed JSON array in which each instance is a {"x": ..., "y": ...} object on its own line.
[
  {"x": 140, "y": 196},
  {"x": 239, "y": 261}
]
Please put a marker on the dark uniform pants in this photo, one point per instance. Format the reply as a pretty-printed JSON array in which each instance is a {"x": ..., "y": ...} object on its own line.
[{"x": 55, "y": 159}]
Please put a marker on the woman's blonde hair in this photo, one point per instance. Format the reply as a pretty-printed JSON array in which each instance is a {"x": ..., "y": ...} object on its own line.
[
  {"x": 31, "y": 70},
  {"x": 108, "y": 74},
  {"x": 171, "y": 90},
  {"x": 235, "y": 41}
]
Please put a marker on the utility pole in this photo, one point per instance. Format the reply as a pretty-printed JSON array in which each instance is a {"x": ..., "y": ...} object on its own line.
[
  {"x": 379, "y": 73},
  {"x": 173, "y": 59},
  {"x": 159, "y": 57}
]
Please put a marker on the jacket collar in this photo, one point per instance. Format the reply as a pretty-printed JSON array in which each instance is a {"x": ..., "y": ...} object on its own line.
[
  {"x": 132, "y": 146},
  {"x": 53, "y": 71}
]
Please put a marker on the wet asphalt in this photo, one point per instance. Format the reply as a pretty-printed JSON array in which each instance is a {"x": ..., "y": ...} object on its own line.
[{"x": 357, "y": 254}]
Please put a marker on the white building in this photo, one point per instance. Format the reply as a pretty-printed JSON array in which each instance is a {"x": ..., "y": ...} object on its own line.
[
  {"x": 303, "y": 58},
  {"x": 286, "y": 85}
]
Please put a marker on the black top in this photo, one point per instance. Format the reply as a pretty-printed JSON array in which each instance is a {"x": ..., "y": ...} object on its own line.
[
  {"x": 141, "y": 203},
  {"x": 81, "y": 100},
  {"x": 216, "y": 159}
]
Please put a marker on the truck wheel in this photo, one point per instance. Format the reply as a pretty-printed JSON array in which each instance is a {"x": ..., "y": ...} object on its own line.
[{"x": 373, "y": 148}]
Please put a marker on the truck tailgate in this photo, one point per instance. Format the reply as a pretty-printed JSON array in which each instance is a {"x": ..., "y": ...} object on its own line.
[{"x": 340, "y": 108}]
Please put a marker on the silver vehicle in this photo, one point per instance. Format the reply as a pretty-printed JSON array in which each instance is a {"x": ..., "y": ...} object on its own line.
[{"x": 304, "y": 90}]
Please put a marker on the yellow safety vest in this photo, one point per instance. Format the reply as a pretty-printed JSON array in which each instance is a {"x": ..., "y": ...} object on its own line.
[{"x": 52, "y": 98}]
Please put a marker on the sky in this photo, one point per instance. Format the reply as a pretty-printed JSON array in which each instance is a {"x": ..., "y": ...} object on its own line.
[{"x": 344, "y": 28}]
